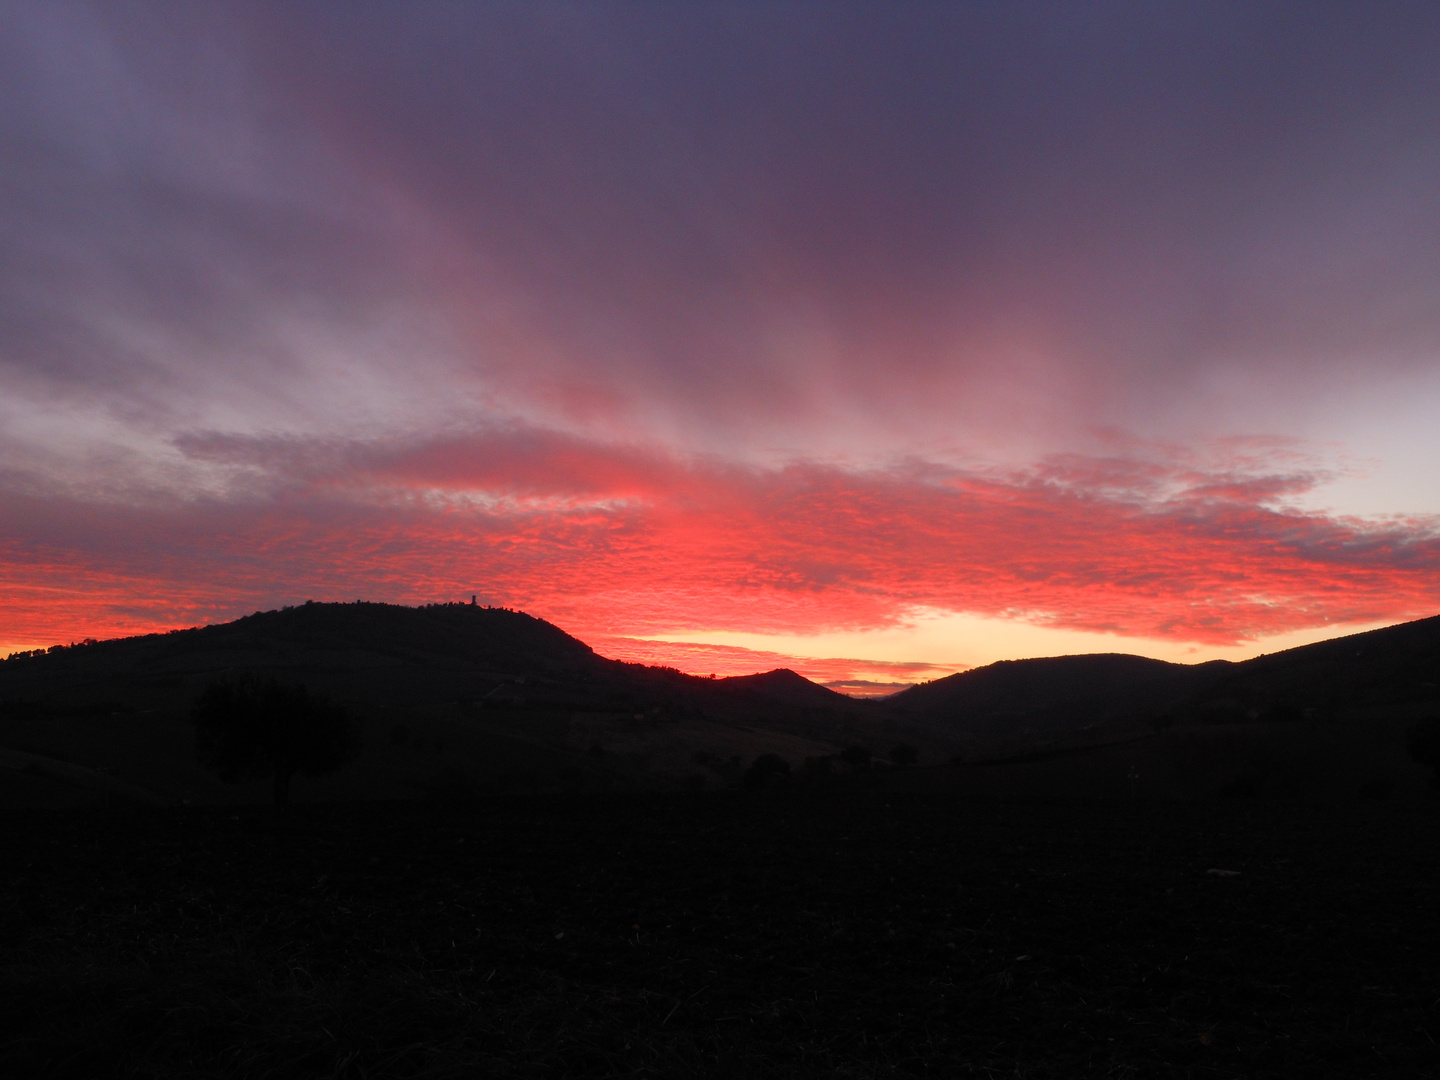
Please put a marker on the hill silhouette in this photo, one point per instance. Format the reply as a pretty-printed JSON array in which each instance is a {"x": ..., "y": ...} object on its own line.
[
  {"x": 1397, "y": 665},
  {"x": 1052, "y": 694},
  {"x": 1394, "y": 666},
  {"x": 456, "y": 699},
  {"x": 784, "y": 685}
]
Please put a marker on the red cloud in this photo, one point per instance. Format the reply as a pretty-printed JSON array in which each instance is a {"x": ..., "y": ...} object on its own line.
[{"x": 618, "y": 541}]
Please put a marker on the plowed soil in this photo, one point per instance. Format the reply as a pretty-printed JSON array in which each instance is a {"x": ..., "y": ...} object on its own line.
[{"x": 804, "y": 933}]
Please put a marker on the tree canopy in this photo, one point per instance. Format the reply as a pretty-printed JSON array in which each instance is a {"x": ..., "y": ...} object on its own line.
[{"x": 248, "y": 727}]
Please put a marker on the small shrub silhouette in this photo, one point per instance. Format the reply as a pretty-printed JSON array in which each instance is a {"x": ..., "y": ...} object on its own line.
[{"x": 253, "y": 728}]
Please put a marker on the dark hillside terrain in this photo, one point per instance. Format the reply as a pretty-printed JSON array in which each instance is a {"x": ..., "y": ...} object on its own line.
[
  {"x": 785, "y": 686},
  {"x": 1101, "y": 866},
  {"x": 456, "y": 700},
  {"x": 1397, "y": 665},
  {"x": 453, "y": 699},
  {"x": 1319, "y": 721},
  {"x": 1051, "y": 695}
]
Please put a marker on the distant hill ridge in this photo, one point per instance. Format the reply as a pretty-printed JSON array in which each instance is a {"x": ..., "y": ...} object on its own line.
[
  {"x": 464, "y": 632},
  {"x": 1393, "y": 665},
  {"x": 1028, "y": 685}
]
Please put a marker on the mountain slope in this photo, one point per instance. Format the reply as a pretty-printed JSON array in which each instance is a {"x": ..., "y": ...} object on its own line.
[
  {"x": 1061, "y": 693},
  {"x": 449, "y": 695},
  {"x": 1396, "y": 665},
  {"x": 789, "y": 687},
  {"x": 1392, "y": 667}
]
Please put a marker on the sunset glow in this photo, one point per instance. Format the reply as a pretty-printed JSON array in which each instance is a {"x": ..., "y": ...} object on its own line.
[{"x": 875, "y": 343}]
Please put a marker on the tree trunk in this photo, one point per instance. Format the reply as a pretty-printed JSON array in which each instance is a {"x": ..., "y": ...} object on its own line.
[{"x": 282, "y": 786}]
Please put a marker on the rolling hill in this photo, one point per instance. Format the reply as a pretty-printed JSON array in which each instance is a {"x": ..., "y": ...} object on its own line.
[
  {"x": 1396, "y": 666},
  {"x": 1017, "y": 701},
  {"x": 452, "y": 698}
]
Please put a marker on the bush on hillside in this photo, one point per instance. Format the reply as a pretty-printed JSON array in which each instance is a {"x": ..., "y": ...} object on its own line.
[{"x": 249, "y": 728}]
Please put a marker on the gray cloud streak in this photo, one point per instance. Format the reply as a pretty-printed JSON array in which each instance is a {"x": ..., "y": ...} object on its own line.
[{"x": 842, "y": 230}]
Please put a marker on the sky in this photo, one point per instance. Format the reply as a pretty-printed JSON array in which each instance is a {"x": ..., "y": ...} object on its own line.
[{"x": 878, "y": 341}]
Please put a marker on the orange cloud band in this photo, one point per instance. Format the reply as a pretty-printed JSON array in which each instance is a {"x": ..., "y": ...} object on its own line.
[{"x": 620, "y": 542}]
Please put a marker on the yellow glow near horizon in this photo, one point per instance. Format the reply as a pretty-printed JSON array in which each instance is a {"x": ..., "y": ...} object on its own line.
[
  {"x": 959, "y": 641},
  {"x": 954, "y": 642}
]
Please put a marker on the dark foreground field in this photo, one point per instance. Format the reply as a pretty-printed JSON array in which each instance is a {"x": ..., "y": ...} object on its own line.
[{"x": 797, "y": 934}]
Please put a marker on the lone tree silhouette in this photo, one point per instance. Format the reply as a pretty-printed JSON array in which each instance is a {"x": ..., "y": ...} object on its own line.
[{"x": 253, "y": 728}]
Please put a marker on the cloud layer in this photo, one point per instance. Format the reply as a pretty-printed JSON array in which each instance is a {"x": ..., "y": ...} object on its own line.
[
  {"x": 624, "y": 541},
  {"x": 705, "y": 318}
]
